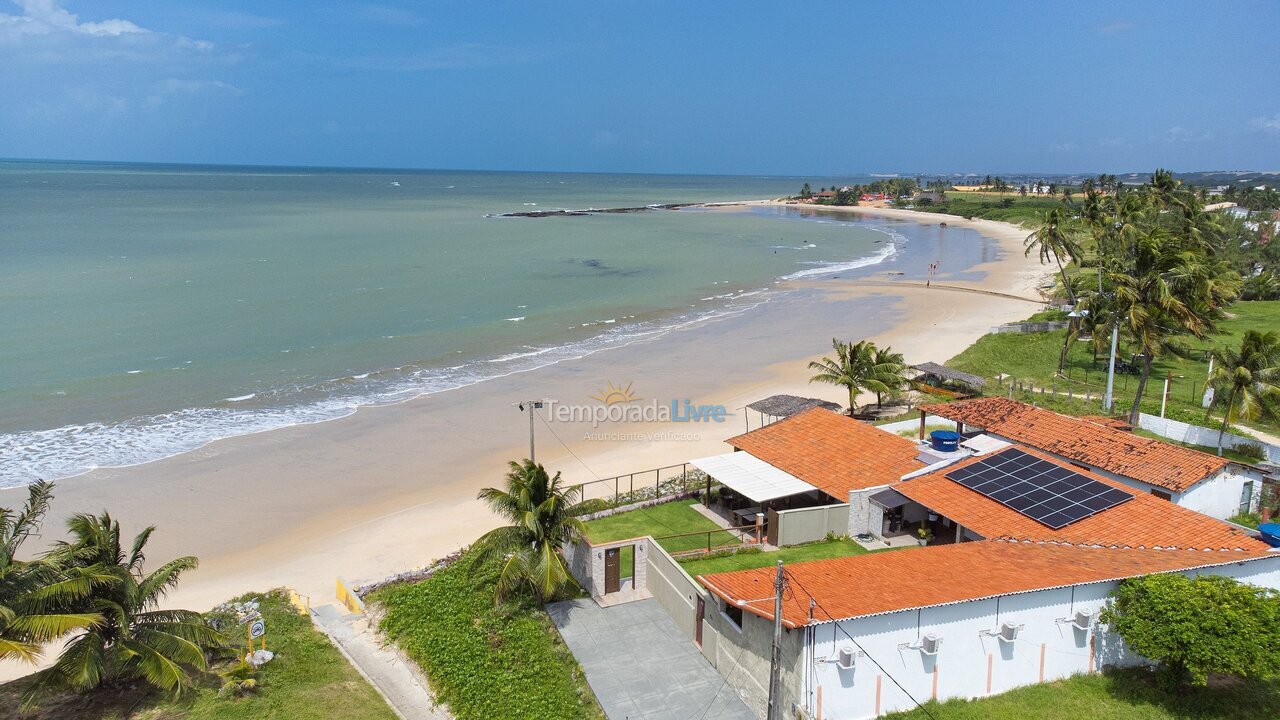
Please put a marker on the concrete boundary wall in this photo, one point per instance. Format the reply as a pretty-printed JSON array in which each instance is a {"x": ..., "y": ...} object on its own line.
[
  {"x": 804, "y": 525},
  {"x": 1197, "y": 435}
]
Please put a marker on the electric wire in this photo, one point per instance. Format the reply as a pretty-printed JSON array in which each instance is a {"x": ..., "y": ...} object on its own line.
[{"x": 852, "y": 639}]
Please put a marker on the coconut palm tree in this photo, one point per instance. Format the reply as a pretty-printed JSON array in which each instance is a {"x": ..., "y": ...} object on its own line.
[
  {"x": 31, "y": 591},
  {"x": 134, "y": 640},
  {"x": 1158, "y": 296},
  {"x": 1056, "y": 238},
  {"x": 888, "y": 367},
  {"x": 1246, "y": 381},
  {"x": 860, "y": 366},
  {"x": 540, "y": 509}
]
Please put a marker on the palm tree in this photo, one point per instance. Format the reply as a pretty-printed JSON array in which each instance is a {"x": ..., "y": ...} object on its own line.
[
  {"x": 30, "y": 591},
  {"x": 888, "y": 367},
  {"x": 1056, "y": 238},
  {"x": 540, "y": 509},
  {"x": 134, "y": 640},
  {"x": 1158, "y": 297},
  {"x": 1245, "y": 380},
  {"x": 860, "y": 366}
]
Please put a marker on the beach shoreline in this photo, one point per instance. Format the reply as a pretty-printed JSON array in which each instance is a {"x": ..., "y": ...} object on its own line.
[{"x": 388, "y": 489}]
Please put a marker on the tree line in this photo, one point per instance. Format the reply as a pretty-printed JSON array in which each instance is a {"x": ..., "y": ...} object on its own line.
[{"x": 1154, "y": 265}]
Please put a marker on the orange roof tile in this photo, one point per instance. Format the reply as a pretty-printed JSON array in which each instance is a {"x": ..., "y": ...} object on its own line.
[
  {"x": 1151, "y": 461},
  {"x": 883, "y": 582},
  {"x": 1146, "y": 521},
  {"x": 832, "y": 452}
]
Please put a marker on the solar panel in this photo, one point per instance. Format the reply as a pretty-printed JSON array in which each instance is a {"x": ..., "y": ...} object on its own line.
[{"x": 1043, "y": 491}]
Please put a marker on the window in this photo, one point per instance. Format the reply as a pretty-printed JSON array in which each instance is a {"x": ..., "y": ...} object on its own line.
[
  {"x": 734, "y": 614},
  {"x": 1163, "y": 495}
]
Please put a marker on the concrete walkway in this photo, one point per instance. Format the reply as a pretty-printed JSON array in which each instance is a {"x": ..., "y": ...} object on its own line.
[
  {"x": 396, "y": 677},
  {"x": 640, "y": 666}
]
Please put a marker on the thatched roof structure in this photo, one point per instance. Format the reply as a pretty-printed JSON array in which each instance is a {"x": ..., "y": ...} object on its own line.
[
  {"x": 784, "y": 406},
  {"x": 942, "y": 372}
]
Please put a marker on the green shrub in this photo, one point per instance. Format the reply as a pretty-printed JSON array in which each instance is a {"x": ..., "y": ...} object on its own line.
[
  {"x": 1197, "y": 626},
  {"x": 1253, "y": 451}
]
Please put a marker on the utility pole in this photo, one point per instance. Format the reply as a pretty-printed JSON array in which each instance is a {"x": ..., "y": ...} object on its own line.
[
  {"x": 1111, "y": 367},
  {"x": 775, "y": 659},
  {"x": 533, "y": 406}
]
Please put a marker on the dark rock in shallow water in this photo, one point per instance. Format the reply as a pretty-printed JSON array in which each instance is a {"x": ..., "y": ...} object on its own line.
[{"x": 591, "y": 211}]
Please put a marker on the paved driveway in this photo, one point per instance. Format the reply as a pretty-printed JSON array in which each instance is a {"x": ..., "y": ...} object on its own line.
[{"x": 640, "y": 666}]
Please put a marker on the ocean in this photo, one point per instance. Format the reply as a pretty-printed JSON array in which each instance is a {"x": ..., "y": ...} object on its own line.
[{"x": 147, "y": 310}]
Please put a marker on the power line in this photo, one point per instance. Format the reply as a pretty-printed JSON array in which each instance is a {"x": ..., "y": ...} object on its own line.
[
  {"x": 859, "y": 645},
  {"x": 566, "y": 447}
]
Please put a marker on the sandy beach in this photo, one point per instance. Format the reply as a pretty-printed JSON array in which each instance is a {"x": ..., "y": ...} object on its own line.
[{"x": 389, "y": 489}]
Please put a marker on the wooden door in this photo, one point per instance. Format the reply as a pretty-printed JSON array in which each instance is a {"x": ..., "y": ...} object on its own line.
[
  {"x": 612, "y": 566},
  {"x": 697, "y": 623}
]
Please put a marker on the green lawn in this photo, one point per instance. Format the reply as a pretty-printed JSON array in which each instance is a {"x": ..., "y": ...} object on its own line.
[
  {"x": 673, "y": 518},
  {"x": 487, "y": 662},
  {"x": 1034, "y": 357},
  {"x": 820, "y": 550},
  {"x": 1025, "y": 211},
  {"x": 309, "y": 679},
  {"x": 1122, "y": 695}
]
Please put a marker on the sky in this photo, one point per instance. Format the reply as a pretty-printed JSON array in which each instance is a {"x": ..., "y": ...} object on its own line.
[{"x": 683, "y": 87}]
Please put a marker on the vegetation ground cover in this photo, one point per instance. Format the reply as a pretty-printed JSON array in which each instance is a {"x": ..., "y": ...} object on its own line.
[
  {"x": 1129, "y": 694},
  {"x": 1008, "y": 207},
  {"x": 673, "y": 518},
  {"x": 1033, "y": 357},
  {"x": 821, "y": 550},
  {"x": 485, "y": 660},
  {"x": 309, "y": 679}
]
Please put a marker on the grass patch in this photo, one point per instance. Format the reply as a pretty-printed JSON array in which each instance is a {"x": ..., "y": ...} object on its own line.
[
  {"x": 1009, "y": 207},
  {"x": 820, "y": 550},
  {"x": 1033, "y": 357},
  {"x": 309, "y": 679},
  {"x": 1249, "y": 519},
  {"x": 673, "y": 518},
  {"x": 1128, "y": 694},
  {"x": 485, "y": 661}
]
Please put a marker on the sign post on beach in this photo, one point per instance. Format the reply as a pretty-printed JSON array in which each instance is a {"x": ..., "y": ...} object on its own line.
[{"x": 258, "y": 629}]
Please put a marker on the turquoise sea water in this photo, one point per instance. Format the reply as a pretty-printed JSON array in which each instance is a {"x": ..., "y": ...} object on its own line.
[{"x": 146, "y": 310}]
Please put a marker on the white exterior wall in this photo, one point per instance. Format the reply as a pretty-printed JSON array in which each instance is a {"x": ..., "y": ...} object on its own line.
[
  {"x": 1220, "y": 495},
  {"x": 966, "y": 660}
]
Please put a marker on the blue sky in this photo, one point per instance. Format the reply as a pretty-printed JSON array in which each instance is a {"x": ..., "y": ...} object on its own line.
[{"x": 742, "y": 88}]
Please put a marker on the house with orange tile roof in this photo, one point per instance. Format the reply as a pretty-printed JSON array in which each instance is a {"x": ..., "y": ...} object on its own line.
[
  {"x": 1192, "y": 479},
  {"x": 1007, "y": 593},
  {"x": 808, "y": 474}
]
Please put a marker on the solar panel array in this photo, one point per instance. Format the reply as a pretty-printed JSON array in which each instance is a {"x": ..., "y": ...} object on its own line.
[{"x": 1043, "y": 491}]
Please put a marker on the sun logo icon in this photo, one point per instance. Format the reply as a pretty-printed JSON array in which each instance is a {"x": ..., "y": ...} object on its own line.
[{"x": 614, "y": 394}]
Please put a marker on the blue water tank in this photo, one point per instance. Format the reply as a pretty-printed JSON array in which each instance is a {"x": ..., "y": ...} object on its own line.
[
  {"x": 1270, "y": 533},
  {"x": 944, "y": 440}
]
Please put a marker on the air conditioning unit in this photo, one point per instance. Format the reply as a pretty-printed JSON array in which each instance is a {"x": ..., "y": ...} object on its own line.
[
  {"x": 846, "y": 658},
  {"x": 1009, "y": 632},
  {"x": 930, "y": 643},
  {"x": 1083, "y": 619}
]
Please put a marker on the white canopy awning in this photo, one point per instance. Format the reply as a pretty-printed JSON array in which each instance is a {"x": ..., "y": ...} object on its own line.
[{"x": 751, "y": 476}]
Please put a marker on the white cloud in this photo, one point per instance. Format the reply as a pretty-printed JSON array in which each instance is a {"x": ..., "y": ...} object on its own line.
[
  {"x": 174, "y": 87},
  {"x": 1268, "y": 124},
  {"x": 1111, "y": 28},
  {"x": 387, "y": 15},
  {"x": 44, "y": 17},
  {"x": 1066, "y": 147},
  {"x": 1179, "y": 134}
]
